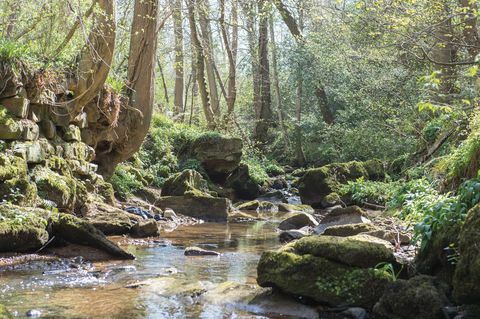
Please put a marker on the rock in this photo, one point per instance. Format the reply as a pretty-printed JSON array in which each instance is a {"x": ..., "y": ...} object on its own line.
[
  {"x": 287, "y": 236},
  {"x": 17, "y": 106},
  {"x": 279, "y": 183},
  {"x": 184, "y": 182},
  {"x": 420, "y": 297},
  {"x": 466, "y": 289},
  {"x": 109, "y": 220},
  {"x": 72, "y": 134},
  {"x": 342, "y": 216},
  {"x": 48, "y": 129},
  {"x": 54, "y": 187},
  {"x": 208, "y": 208},
  {"x": 354, "y": 313},
  {"x": 10, "y": 129},
  {"x": 350, "y": 230},
  {"x": 291, "y": 208},
  {"x": 252, "y": 205},
  {"x": 219, "y": 155},
  {"x": 19, "y": 191},
  {"x": 77, "y": 231},
  {"x": 320, "y": 279},
  {"x": 169, "y": 214},
  {"x": 4, "y": 313},
  {"x": 33, "y": 313},
  {"x": 318, "y": 185},
  {"x": 391, "y": 236},
  {"x": 196, "y": 251},
  {"x": 242, "y": 216},
  {"x": 242, "y": 183},
  {"x": 297, "y": 221},
  {"x": 32, "y": 152},
  {"x": 12, "y": 166},
  {"x": 359, "y": 250},
  {"x": 275, "y": 197},
  {"x": 22, "y": 229},
  {"x": 144, "y": 229}
]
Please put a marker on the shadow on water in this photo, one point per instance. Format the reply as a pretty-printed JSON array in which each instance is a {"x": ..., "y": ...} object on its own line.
[{"x": 160, "y": 283}]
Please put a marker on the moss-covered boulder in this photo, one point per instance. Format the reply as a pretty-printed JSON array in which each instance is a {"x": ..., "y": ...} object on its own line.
[
  {"x": 251, "y": 205},
  {"x": 22, "y": 229},
  {"x": 18, "y": 191},
  {"x": 320, "y": 279},
  {"x": 242, "y": 183},
  {"x": 342, "y": 216},
  {"x": 78, "y": 231},
  {"x": 297, "y": 221},
  {"x": 359, "y": 250},
  {"x": 290, "y": 208},
  {"x": 110, "y": 220},
  {"x": 207, "y": 208},
  {"x": 349, "y": 230},
  {"x": 218, "y": 154},
  {"x": 467, "y": 273},
  {"x": 317, "y": 185},
  {"x": 421, "y": 297},
  {"x": 188, "y": 181},
  {"x": 12, "y": 166},
  {"x": 59, "y": 189}
]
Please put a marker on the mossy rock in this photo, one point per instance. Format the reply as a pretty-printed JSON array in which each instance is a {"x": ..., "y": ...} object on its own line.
[
  {"x": 12, "y": 167},
  {"x": 188, "y": 181},
  {"x": 251, "y": 205},
  {"x": 421, "y": 297},
  {"x": 77, "y": 231},
  {"x": 467, "y": 273},
  {"x": 320, "y": 279},
  {"x": 22, "y": 229},
  {"x": 297, "y": 221},
  {"x": 318, "y": 183},
  {"x": 4, "y": 313},
  {"x": 110, "y": 220},
  {"x": 290, "y": 208},
  {"x": 349, "y": 230},
  {"x": 54, "y": 187},
  {"x": 18, "y": 191},
  {"x": 359, "y": 250},
  {"x": 242, "y": 183}
]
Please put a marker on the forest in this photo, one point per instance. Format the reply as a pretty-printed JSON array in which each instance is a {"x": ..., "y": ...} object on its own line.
[{"x": 240, "y": 159}]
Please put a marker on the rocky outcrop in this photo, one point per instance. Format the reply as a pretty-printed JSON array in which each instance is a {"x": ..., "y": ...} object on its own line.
[
  {"x": 207, "y": 208},
  {"x": 332, "y": 270},
  {"x": 342, "y": 216},
  {"x": 319, "y": 187},
  {"x": 188, "y": 181},
  {"x": 110, "y": 220},
  {"x": 242, "y": 183},
  {"x": 421, "y": 297},
  {"x": 219, "y": 155}
]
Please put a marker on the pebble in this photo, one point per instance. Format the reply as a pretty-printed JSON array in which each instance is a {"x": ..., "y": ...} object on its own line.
[{"x": 33, "y": 313}]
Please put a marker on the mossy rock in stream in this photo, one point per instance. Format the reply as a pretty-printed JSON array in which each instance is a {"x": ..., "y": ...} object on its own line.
[
  {"x": 18, "y": 191},
  {"x": 188, "y": 181},
  {"x": 349, "y": 229},
  {"x": 317, "y": 185},
  {"x": 320, "y": 279},
  {"x": 54, "y": 187},
  {"x": 467, "y": 273},
  {"x": 12, "y": 167},
  {"x": 22, "y": 229}
]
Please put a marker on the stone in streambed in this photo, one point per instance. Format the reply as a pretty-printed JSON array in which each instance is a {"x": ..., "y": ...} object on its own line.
[
  {"x": 196, "y": 251},
  {"x": 291, "y": 208},
  {"x": 144, "y": 229},
  {"x": 185, "y": 182},
  {"x": 110, "y": 220},
  {"x": 291, "y": 235},
  {"x": 242, "y": 183},
  {"x": 297, "y": 221},
  {"x": 349, "y": 230},
  {"x": 342, "y": 216},
  {"x": 4, "y": 313},
  {"x": 207, "y": 208}
]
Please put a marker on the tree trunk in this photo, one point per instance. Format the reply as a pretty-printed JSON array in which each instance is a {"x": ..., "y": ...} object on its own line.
[
  {"x": 179, "y": 56},
  {"x": 297, "y": 34},
  {"x": 96, "y": 59},
  {"x": 263, "y": 107},
  {"x": 141, "y": 80},
  {"x": 470, "y": 32},
  {"x": 232, "y": 51},
  {"x": 299, "y": 153},
  {"x": 276, "y": 81},
  {"x": 200, "y": 67},
  {"x": 204, "y": 10}
]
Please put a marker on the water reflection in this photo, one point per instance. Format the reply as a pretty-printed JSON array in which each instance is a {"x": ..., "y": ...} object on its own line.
[{"x": 170, "y": 284}]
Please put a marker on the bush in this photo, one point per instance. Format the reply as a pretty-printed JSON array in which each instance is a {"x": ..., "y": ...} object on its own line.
[{"x": 273, "y": 169}]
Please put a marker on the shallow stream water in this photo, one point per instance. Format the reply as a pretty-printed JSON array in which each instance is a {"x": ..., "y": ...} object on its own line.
[{"x": 160, "y": 283}]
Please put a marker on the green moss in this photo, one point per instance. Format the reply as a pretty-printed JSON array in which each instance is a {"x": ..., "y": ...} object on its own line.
[
  {"x": 4, "y": 313},
  {"x": 54, "y": 187},
  {"x": 12, "y": 167},
  {"x": 348, "y": 230},
  {"x": 19, "y": 191},
  {"x": 251, "y": 205},
  {"x": 124, "y": 182},
  {"x": 188, "y": 181}
]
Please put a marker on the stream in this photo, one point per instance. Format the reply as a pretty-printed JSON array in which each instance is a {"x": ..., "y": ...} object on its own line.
[{"x": 160, "y": 283}]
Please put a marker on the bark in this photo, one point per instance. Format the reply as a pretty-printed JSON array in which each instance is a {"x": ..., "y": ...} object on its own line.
[
  {"x": 179, "y": 59},
  {"x": 296, "y": 32},
  {"x": 299, "y": 153},
  {"x": 232, "y": 51},
  {"x": 203, "y": 10},
  {"x": 96, "y": 59},
  {"x": 276, "y": 81},
  {"x": 164, "y": 83},
  {"x": 263, "y": 107},
  {"x": 129, "y": 136},
  {"x": 200, "y": 66}
]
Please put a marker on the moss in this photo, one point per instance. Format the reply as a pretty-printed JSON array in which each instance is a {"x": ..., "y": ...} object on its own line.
[
  {"x": 320, "y": 279},
  {"x": 359, "y": 250},
  {"x": 12, "y": 167},
  {"x": 22, "y": 229},
  {"x": 4, "y": 313},
  {"x": 54, "y": 187},
  {"x": 188, "y": 181},
  {"x": 18, "y": 191},
  {"x": 251, "y": 205}
]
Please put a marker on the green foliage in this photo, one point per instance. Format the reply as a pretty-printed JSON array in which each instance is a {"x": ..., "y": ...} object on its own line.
[
  {"x": 387, "y": 270},
  {"x": 124, "y": 182},
  {"x": 116, "y": 84},
  {"x": 366, "y": 191},
  {"x": 273, "y": 169},
  {"x": 12, "y": 52}
]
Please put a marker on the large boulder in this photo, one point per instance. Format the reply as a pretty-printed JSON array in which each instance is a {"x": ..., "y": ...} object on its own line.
[
  {"x": 185, "y": 182},
  {"x": 420, "y": 297},
  {"x": 110, "y": 220},
  {"x": 243, "y": 184},
  {"x": 320, "y": 279},
  {"x": 22, "y": 229},
  {"x": 219, "y": 155},
  {"x": 319, "y": 186},
  {"x": 207, "y": 208},
  {"x": 297, "y": 221},
  {"x": 467, "y": 273},
  {"x": 349, "y": 230},
  {"x": 342, "y": 216},
  {"x": 81, "y": 232}
]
